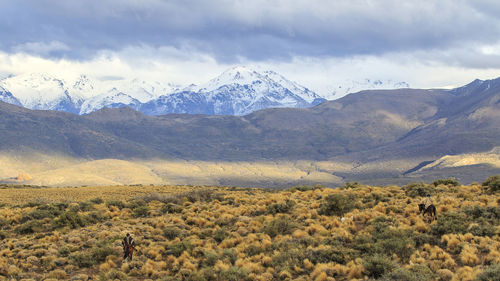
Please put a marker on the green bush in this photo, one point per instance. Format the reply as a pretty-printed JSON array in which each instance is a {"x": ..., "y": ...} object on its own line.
[
  {"x": 210, "y": 258},
  {"x": 96, "y": 200},
  {"x": 450, "y": 222},
  {"x": 397, "y": 242},
  {"x": 229, "y": 255},
  {"x": 415, "y": 273},
  {"x": 95, "y": 256},
  {"x": 337, "y": 204},
  {"x": 493, "y": 183},
  {"x": 336, "y": 254},
  {"x": 416, "y": 189},
  {"x": 378, "y": 265},
  {"x": 140, "y": 211},
  {"x": 284, "y": 207},
  {"x": 64, "y": 251},
  {"x": 113, "y": 275},
  {"x": 171, "y": 208},
  {"x": 71, "y": 219},
  {"x": 352, "y": 184},
  {"x": 489, "y": 274},
  {"x": 30, "y": 227},
  {"x": 449, "y": 181},
  {"x": 95, "y": 217},
  {"x": 281, "y": 225},
  {"x": 220, "y": 235},
  {"x": 178, "y": 248},
  {"x": 116, "y": 203},
  {"x": 172, "y": 232},
  {"x": 233, "y": 274}
]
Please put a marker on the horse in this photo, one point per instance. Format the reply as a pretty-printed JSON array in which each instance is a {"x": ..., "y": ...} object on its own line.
[
  {"x": 129, "y": 252},
  {"x": 431, "y": 210}
]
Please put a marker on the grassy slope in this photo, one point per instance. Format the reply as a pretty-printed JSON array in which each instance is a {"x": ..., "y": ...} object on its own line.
[
  {"x": 214, "y": 233},
  {"x": 46, "y": 170}
]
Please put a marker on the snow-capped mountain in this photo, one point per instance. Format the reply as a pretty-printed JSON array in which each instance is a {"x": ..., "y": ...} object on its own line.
[
  {"x": 132, "y": 93},
  {"x": 80, "y": 95},
  {"x": 237, "y": 91},
  {"x": 7, "y": 97},
  {"x": 351, "y": 86},
  {"x": 41, "y": 91}
]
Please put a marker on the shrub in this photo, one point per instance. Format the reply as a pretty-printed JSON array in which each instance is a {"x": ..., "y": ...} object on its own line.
[
  {"x": 284, "y": 207},
  {"x": 203, "y": 195},
  {"x": 378, "y": 265},
  {"x": 140, "y": 211},
  {"x": 281, "y": 225},
  {"x": 95, "y": 256},
  {"x": 116, "y": 203},
  {"x": 30, "y": 227},
  {"x": 415, "y": 189},
  {"x": 95, "y": 217},
  {"x": 233, "y": 274},
  {"x": 58, "y": 274},
  {"x": 229, "y": 255},
  {"x": 71, "y": 219},
  {"x": 450, "y": 222},
  {"x": 64, "y": 251},
  {"x": 352, "y": 184},
  {"x": 397, "y": 242},
  {"x": 96, "y": 200},
  {"x": 449, "y": 181},
  {"x": 113, "y": 275},
  {"x": 171, "y": 208},
  {"x": 331, "y": 254},
  {"x": 337, "y": 204},
  {"x": 220, "y": 235},
  {"x": 178, "y": 248},
  {"x": 171, "y": 232},
  {"x": 210, "y": 258},
  {"x": 489, "y": 274},
  {"x": 493, "y": 183},
  {"x": 417, "y": 272}
]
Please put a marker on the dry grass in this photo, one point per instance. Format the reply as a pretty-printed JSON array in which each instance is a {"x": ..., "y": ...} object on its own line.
[{"x": 215, "y": 233}]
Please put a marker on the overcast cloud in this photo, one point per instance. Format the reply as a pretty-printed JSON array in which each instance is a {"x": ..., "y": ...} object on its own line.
[{"x": 183, "y": 37}]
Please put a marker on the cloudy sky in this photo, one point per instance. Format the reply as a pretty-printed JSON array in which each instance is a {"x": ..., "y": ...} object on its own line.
[{"x": 318, "y": 43}]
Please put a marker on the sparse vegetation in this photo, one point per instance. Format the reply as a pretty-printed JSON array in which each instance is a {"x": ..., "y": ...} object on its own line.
[
  {"x": 213, "y": 233},
  {"x": 449, "y": 181},
  {"x": 493, "y": 183}
]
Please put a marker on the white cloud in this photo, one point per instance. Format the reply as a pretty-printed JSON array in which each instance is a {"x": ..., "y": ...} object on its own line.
[
  {"x": 41, "y": 48},
  {"x": 185, "y": 66}
]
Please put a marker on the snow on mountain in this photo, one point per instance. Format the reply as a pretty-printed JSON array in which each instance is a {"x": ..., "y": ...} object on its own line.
[
  {"x": 41, "y": 91},
  {"x": 352, "y": 86},
  {"x": 7, "y": 97},
  {"x": 132, "y": 93},
  {"x": 237, "y": 91},
  {"x": 303, "y": 92}
]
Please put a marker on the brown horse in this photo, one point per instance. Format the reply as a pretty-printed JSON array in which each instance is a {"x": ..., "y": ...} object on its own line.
[
  {"x": 431, "y": 210},
  {"x": 128, "y": 252}
]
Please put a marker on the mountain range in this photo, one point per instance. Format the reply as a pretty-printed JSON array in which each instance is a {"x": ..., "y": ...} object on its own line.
[
  {"x": 375, "y": 134},
  {"x": 237, "y": 91}
]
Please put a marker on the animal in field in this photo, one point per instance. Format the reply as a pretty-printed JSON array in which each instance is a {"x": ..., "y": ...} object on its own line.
[
  {"x": 128, "y": 244},
  {"x": 431, "y": 210}
]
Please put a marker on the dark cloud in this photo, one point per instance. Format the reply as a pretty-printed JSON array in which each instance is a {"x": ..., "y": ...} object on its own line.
[{"x": 253, "y": 30}]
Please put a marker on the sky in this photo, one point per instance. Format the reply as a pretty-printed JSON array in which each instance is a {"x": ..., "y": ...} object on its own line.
[{"x": 318, "y": 43}]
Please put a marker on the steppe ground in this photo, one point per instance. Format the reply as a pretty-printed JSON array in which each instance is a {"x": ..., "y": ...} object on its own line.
[{"x": 355, "y": 232}]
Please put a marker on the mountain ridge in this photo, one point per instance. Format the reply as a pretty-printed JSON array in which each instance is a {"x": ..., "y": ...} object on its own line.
[{"x": 237, "y": 91}]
